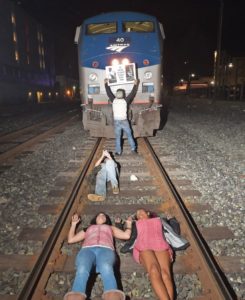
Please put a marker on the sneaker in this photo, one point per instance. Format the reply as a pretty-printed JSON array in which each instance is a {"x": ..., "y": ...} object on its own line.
[
  {"x": 115, "y": 190},
  {"x": 95, "y": 198},
  {"x": 117, "y": 153}
]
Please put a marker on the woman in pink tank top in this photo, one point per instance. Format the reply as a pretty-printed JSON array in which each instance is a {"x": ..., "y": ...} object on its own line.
[
  {"x": 97, "y": 252},
  {"x": 154, "y": 253}
]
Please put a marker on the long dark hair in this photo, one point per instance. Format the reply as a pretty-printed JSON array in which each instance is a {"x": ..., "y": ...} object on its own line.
[
  {"x": 151, "y": 214},
  {"x": 107, "y": 222}
]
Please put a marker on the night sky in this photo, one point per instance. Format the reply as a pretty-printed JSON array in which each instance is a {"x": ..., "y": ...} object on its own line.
[{"x": 190, "y": 26}]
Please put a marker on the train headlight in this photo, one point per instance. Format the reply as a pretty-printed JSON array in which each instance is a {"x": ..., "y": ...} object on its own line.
[
  {"x": 125, "y": 61},
  {"x": 93, "y": 77},
  {"x": 148, "y": 75},
  {"x": 115, "y": 62}
]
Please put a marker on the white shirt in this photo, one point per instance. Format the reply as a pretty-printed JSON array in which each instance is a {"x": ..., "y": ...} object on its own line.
[{"x": 119, "y": 107}]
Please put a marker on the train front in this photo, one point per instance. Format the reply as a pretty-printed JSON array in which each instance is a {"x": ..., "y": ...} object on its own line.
[{"x": 121, "y": 47}]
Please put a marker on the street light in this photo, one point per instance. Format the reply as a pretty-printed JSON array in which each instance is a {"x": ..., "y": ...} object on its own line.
[
  {"x": 227, "y": 75},
  {"x": 192, "y": 75}
]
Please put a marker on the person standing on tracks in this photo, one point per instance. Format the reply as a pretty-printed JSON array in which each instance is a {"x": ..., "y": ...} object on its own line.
[
  {"x": 120, "y": 104},
  {"x": 105, "y": 170},
  {"x": 97, "y": 253},
  {"x": 154, "y": 253}
]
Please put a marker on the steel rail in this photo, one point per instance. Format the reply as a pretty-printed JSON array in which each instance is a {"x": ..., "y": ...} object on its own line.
[
  {"x": 34, "y": 277},
  {"x": 224, "y": 289}
]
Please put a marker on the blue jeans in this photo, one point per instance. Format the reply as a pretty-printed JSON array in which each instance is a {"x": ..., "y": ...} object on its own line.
[
  {"x": 120, "y": 125},
  {"x": 102, "y": 259},
  {"x": 108, "y": 172}
]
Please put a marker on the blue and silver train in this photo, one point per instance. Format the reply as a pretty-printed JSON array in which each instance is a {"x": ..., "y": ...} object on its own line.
[{"x": 121, "y": 46}]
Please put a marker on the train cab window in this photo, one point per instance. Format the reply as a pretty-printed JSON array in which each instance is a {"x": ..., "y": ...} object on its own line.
[
  {"x": 144, "y": 26},
  {"x": 101, "y": 28}
]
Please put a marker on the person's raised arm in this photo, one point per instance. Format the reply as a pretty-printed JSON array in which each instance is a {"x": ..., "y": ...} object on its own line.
[
  {"x": 103, "y": 155},
  {"x": 74, "y": 237},
  {"x": 132, "y": 94},
  {"x": 108, "y": 91}
]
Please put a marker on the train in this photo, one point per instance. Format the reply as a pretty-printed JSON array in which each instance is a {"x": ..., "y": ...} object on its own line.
[{"x": 121, "y": 46}]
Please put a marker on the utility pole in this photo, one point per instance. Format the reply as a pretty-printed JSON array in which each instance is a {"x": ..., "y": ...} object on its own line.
[{"x": 219, "y": 39}]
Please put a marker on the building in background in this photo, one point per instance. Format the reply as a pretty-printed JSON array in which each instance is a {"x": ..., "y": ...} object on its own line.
[
  {"x": 27, "y": 71},
  {"x": 67, "y": 88},
  {"x": 230, "y": 77},
  {"x": 234, "y": 72}
]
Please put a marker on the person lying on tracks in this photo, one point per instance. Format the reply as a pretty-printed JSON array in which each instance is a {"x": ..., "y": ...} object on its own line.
[
  {"x": 97, "y": 251},
  {"x": 107, "y": 172},
  {"x": 154, "y": 253}
]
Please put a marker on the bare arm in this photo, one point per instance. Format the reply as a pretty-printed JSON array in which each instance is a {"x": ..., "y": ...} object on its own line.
[
  {"x": 120, "y": 234},
  {"x": 98, "y": 162},
  {"x": 104, "y": 154},
  {"x": 74, "y": 237},
  {"x": 123, "y": 235}
]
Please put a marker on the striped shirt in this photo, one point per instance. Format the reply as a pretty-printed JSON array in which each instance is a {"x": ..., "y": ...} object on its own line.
[{"x": 99, "y": 236}]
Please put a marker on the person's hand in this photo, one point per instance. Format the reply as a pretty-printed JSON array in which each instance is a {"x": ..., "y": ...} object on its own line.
[
  {"x": 129, "y": 222},
  {"x": 106, "y": 80},
  {"x": 106, "y": 154},
  {"x": 75, "y": 219},
  {"x": 136, "y": 81},
  {"x": 118, "y": 220}
]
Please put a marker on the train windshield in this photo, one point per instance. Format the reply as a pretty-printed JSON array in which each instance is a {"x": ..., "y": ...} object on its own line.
[
  {"x": 135, "y": 26},
  {"x": 101, "y": 28}
]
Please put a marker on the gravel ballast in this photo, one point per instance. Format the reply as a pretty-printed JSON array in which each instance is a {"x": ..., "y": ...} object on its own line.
[{"x": 206, "y": 139}]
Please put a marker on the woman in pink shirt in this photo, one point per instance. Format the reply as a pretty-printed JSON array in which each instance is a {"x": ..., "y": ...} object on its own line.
[
  {"x": 154, "y": 253},
  {"x": 97, "y": 252}
]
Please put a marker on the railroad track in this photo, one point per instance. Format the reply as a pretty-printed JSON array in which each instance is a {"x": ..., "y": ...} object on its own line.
[
  {"x": 51, "y": 273},
  {"x": 22, "y": 142}
]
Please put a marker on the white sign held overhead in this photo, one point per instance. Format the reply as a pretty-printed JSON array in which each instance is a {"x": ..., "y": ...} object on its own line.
[{"x": 120, "y": 74}]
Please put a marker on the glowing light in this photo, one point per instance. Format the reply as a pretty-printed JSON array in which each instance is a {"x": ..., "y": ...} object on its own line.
[
  {"x": 16, "y": 55},
  {"x": 115, "y": 62},
  {"x": 13, "y": 18},
  {"x": 125, "y": 61},
  {"x": 68, "y": 92},
  {"x": 14, "y": 37}
]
